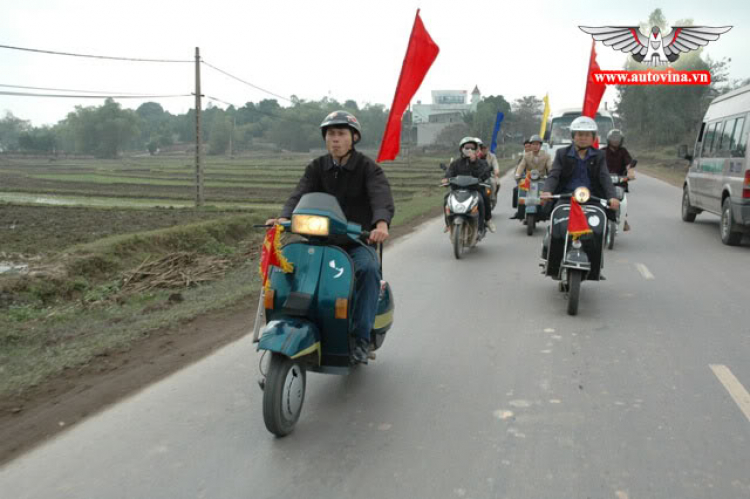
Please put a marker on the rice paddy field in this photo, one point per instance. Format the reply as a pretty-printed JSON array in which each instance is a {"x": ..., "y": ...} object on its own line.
[{"x": 47, "y": 205}]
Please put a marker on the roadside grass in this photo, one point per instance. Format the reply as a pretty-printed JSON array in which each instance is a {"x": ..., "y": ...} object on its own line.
[
  {"x": 73, "y": 310},
  {"x": 662, "y": 163}
]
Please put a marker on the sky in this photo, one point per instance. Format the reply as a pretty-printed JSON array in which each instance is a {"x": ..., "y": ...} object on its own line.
[{"x": 340, "y": 49}]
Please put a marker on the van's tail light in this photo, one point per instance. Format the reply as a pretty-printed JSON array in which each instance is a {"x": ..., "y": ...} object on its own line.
[{"x": 746, "y": 186}]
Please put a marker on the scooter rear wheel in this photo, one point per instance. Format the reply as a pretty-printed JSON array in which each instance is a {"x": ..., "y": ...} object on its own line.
[
  {"x": 283, "y": 395},
  {"x": 574, "y": 291},
  {"x": 611, "y": 232}
]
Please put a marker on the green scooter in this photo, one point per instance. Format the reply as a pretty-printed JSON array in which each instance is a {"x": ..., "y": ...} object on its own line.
[{"x": 309, "y": 312}]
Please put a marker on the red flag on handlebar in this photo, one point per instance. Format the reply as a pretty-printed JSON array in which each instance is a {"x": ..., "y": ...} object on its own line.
[
  {"x": 271, "y": 254},
  {"x": 577, "y": 224}
]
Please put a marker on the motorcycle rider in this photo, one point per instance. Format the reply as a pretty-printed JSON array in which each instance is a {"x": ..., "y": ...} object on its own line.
[
  {"x": 619, "y": 161},
  {"x": 535, "y": 159},
  {"x": 363, "y": 191},
  {"x": 580, "y": 165},
  {"x": 470, "y": 164}
]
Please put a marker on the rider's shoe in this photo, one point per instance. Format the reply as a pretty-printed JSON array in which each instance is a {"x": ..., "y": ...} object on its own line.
[
  {"x": 361, "y": 352},
  {"x": 490, "y": 226},
  {"x": 446, "y": 229}
]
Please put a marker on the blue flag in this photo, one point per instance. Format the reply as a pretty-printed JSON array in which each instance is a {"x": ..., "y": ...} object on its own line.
[{"x": 498, "y": 122}]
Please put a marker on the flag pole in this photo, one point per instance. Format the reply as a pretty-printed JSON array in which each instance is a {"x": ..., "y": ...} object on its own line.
[{"x": 260, "y": 315}]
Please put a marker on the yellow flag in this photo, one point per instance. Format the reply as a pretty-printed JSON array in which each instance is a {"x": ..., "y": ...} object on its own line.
[{"x": 545, "y": 117}]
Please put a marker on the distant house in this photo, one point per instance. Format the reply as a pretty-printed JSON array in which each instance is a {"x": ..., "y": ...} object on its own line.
[{"x": 448, "y": 106}]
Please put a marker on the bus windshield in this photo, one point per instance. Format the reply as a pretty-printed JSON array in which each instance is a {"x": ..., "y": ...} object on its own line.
[{"x": 560, "y": 132}]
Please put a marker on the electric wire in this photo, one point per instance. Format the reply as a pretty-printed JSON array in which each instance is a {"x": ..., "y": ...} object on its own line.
[
  {"x": 246, "y": 82},
  {"x": 91, "y": 56},
  {"x": 76, "y": 96},
  {"x": 100, "y": 92}
]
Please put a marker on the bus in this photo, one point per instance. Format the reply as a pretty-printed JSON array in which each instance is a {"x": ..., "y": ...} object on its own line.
[{"x": 559, "y": 133}]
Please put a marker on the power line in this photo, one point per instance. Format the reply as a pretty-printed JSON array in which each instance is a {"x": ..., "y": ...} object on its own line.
[
  {"x": 71, "y": 90},
  {"x": 246, "y": 82},
  {"x": 113, "y": 58},
  {"x": 76, "y": 96}
]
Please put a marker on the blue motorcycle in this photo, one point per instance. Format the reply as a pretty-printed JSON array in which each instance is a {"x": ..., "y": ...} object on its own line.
[{"x": 309, "y": 311}]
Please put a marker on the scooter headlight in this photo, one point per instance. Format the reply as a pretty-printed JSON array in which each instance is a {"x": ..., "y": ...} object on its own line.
[
  {"x": 582, "y": 195},
  {"x": 310, "y": 225},
  {"x": 457, "y": 206}
]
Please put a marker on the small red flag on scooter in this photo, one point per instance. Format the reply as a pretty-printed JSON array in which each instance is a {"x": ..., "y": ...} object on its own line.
[
  {"x": 577, "y": 224},
  {"x": 271, "y": 254}
]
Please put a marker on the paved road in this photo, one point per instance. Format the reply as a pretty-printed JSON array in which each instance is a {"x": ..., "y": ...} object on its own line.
[{"x": 485, "y": 388}]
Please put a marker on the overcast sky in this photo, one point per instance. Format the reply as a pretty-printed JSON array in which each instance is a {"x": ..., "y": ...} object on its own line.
[{"x": 342, "y": 49}]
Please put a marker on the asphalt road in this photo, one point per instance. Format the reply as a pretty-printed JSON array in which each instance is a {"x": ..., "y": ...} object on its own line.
[{"x": 484, "y": 388}]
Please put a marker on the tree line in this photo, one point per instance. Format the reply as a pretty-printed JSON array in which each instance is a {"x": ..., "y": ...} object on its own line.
[{"x": 651, "y": 115}]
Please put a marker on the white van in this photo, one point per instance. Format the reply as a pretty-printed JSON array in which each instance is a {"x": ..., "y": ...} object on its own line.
[{"x": 719, "y": 178}]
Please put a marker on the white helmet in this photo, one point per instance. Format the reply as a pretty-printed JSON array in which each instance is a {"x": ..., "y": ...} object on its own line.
[{"x": 583, "y": 124}]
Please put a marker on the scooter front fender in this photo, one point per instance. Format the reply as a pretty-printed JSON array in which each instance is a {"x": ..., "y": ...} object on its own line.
[
  {"x": 577, "y": 259},
  {"x": 292, "y": 337}
]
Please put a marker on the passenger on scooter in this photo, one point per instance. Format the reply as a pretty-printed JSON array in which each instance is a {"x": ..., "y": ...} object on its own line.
[
  {"x": 363, "y": 191},
  {"x": 491, "y": 159},
  {"x": 619, "y": 160},
  {"x": 470, "y": 164},
  {"x": 535, "y": 159}
]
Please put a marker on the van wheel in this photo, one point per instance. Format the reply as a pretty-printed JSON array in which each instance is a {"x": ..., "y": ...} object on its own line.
[
  {"x": 688, "y": 212},
  {"x": 727, "y": 236}
]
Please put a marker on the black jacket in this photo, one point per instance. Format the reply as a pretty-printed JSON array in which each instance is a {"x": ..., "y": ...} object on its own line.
[
  {"x": 360, "y": 186},
  {"x": 479, "y": 169},
  {"x": 564, "y": 166}
]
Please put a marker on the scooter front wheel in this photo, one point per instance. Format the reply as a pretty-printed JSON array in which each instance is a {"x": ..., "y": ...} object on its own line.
[
  {"x": 530, "y": 224},
  {"x": 283, "y": 395},
  {"x": 458, "y": 241},
  {"x": 574, "y": 291}
]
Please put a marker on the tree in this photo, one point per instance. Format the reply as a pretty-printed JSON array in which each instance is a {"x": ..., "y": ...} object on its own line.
[
  {"x": 103, "y": 131},
  {"x": 450, "y": 136},
  {"x": 526, "y": 119},
  {"x": 482, "y": 122},
  {"x": 39, "y": 140},
  {"x": 10, "y": 130},
  {"x": 218, "y": 141},
  {"x": 669, "y": 114}
]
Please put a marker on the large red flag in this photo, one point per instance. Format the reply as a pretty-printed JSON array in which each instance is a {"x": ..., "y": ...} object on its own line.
[
  {"x": 594, "y": 90},
  {"x": 420, "y": 55}
]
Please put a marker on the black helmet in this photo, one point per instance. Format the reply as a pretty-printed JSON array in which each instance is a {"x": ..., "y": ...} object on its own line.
[{"x": 342, "y": 118}]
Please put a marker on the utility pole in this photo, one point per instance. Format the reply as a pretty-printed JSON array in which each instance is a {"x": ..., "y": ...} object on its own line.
[
  {"x": 231, "y": 136},
  {"x": 198, "y": 165},
  {"x": 408, "y": 146}
]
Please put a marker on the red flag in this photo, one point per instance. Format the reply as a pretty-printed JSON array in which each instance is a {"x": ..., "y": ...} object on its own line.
[
  {"x": 271, "y": 254},
  {"x": 594, "y": 90},
  {"x": 525, "y": 185},
  {"x": 420, "y": 55},
  {"x": 577, "y": 224}
]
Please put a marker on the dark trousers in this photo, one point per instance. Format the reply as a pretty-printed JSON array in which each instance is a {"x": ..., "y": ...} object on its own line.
[{"x": 366, "y": 290}]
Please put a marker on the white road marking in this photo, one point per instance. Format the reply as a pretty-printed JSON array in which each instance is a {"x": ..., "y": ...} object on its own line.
[
  {"x": 734, "y": 387},
  {"x": 645, "y": 272}
]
